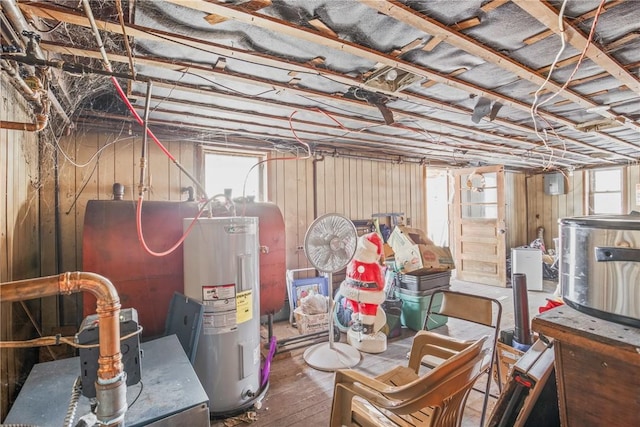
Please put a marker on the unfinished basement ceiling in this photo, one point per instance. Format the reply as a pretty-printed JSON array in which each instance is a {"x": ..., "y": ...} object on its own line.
[{"x": 437, "y": 82}]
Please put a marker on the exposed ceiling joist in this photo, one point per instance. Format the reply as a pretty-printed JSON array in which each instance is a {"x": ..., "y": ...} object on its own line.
[
  {"x": 547, "y": 15},
  {"x": 206, "y": 71},
  {"x": 474, "y": 146},
  {"x": 399, "y": 11},
  {"x": 283, "y": 27},
  {"x": 546, "y": 33},
  {"x": 64, "y": 15},
  {"x": 247, "y": 75}
]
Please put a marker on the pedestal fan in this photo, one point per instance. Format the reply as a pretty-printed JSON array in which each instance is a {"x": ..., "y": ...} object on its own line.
[{"x": 329, "y": 244}]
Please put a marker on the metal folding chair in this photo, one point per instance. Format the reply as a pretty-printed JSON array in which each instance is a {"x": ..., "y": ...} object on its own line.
[{"x": 477, "y": 309}]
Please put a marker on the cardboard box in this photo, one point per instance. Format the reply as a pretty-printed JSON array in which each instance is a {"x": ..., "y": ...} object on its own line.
[
  {"x": 310, "y": 323},
  {"x": 403, "y": 237},
  {"x": 424, "y": 259},
  {"x": 387, "y": 251}
]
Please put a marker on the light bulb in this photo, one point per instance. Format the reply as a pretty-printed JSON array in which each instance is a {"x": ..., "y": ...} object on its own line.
[{"x": 391, "y": 75}]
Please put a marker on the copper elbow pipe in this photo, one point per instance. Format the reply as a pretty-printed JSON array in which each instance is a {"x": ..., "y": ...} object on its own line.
[
  {"x": 108, "y": 308},
  {"x": 39, "y": 125}
]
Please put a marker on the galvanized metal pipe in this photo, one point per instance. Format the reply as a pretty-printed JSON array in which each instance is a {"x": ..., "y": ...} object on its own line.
[
  {"x": 12, "y": 12},
  {"x": 522, "y": 333},
  {"x": 111, "y": 383}
]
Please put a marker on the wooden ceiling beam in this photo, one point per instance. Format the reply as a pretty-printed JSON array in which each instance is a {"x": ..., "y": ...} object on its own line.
[
  {"x": 207, "y": 71},
  {"x": 284, "y": 133},
  {"x": 470, "y": 144},
  {"x": 588, "y": 15},
  {"x": 403, "y": 13},
  {"x": 322, "y": 27},
  {"x": 64, "y": 15},
  {"x": 283, "y": 27},
  {"x": 548, "y": 16}
]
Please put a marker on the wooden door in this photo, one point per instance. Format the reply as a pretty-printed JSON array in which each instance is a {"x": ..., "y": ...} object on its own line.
[{"x": 479, "y": 225}]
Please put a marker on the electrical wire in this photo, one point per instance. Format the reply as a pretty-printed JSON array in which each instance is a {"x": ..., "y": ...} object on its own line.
[
  {"x": 73, "y": 403},
  {"x": 57, "y": 339},
  {"x": 295, "y": 135},
  {"x": 94, "y": 156},
  {"x": 582, "y": 54},
  {"x": 139, "y": 393},
  {"x": 534, "y": 106}
]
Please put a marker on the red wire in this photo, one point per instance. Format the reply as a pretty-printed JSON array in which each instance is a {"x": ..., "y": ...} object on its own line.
[
  {"x": 139, "y": 119},
  {"x": 174, "y": 247}
]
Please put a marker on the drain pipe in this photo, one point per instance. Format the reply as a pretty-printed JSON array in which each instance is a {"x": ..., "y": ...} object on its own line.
[
  {"x": 111, "y": 389},
  {"x": 40, "y": 124}
]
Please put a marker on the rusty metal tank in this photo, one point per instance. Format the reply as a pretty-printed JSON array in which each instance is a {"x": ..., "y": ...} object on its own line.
[
  {"x": 110, "y": 247},
  {"x": 272, "y": 253}
]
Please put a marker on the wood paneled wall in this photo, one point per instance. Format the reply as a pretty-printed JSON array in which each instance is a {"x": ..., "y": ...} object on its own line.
[
  {"x": 355, "y": 188},
  {"x": 633, "y": 180},
  {"x": 19, "y": 237},
  {"x": 515, "y": 210},
  {"x": 544, "y": 210}
]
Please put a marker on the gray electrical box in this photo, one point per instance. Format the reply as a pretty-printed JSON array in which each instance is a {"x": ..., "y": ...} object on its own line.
[
  {"x": 130, "y": 348},
  {"x": 554, "y": 184}
]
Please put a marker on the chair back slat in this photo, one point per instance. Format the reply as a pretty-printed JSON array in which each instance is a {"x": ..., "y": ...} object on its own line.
[{"x": 467, "y": 307}]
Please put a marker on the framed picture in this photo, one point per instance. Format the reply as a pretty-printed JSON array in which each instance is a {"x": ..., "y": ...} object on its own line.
[{"x": 300, "y": 288}]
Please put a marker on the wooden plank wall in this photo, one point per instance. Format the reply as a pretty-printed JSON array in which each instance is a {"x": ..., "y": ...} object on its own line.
[
  {"x": 92, "y": 164},
  {"x": 515, "y": 210},
  {"x": 633, "y": 179},
  {"x": 19, "y": 237},
  {"x": 544, "y": 210},
  {"x": 355, "y": 188}
]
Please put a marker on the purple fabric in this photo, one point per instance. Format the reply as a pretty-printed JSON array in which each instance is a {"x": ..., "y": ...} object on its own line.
[{"x": 267, "y": 363}]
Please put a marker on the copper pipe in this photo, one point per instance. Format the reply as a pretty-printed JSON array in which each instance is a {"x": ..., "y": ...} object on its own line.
[
  {"x": 111, "y": 378},
  {"x": 40, "y": 124}
]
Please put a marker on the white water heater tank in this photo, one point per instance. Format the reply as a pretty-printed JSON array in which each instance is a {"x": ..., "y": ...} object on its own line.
[{"x": 221, "y": 269}]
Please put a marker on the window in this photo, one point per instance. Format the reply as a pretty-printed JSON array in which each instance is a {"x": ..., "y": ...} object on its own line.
[
  {"x": 224, "y": 171},
  {"x": 479, "y": 195},
  {"x": 605, "y": 191}
]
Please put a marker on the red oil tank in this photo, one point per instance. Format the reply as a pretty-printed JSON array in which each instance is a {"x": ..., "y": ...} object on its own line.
[
  {"x": 110, "y": 247},
  {"x": 273, "y": 264}
]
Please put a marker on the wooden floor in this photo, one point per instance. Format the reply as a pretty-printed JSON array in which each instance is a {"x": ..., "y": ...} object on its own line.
[{"x": 299, "y": 395}]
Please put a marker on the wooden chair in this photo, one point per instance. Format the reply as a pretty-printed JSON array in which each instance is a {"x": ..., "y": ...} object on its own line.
[
  {"x": 404, "y": 397},
  {"x": 477, "y": 309}
]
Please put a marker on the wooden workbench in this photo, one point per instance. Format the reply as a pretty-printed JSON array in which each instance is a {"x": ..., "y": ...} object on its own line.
[{"x": 597, "y": 368}]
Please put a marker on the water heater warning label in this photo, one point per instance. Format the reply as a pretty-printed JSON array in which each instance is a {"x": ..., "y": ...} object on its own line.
[
  {"x": 220, "y": 315},
  {"x": 218, "y": 323},
  {"x": 218, "y": 293},
  {"x": 244, "y": 302}
]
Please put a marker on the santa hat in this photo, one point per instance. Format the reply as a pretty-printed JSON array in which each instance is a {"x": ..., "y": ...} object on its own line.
[{"x": 369, "y": 248}]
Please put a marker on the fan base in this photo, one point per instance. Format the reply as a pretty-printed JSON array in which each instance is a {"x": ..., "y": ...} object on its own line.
[
  {"x": 368, "y": 343},
  {"x": 327, "y": 357}
]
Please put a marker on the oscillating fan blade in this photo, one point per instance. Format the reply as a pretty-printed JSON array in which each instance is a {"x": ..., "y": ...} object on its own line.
[{"x": 330, "y": 242}]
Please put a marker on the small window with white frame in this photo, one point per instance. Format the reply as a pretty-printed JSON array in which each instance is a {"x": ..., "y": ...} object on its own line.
[
  {"x": 237, "y": 172},
  {"x": 606, "y": 190}
]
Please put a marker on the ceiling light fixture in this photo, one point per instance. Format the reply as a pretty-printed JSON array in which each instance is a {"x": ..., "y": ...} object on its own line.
[
  {"x": 391, "y": 75},
  {"x": 391, "y": 79}
]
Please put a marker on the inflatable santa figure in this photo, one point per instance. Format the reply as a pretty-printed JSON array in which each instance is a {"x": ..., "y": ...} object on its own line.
[{"x": 363, "y": 290}]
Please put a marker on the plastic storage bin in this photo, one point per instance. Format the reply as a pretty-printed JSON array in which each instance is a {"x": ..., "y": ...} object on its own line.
[
  {"x": 424, "y": 282},
  {"x": 414, "y": 308}
]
